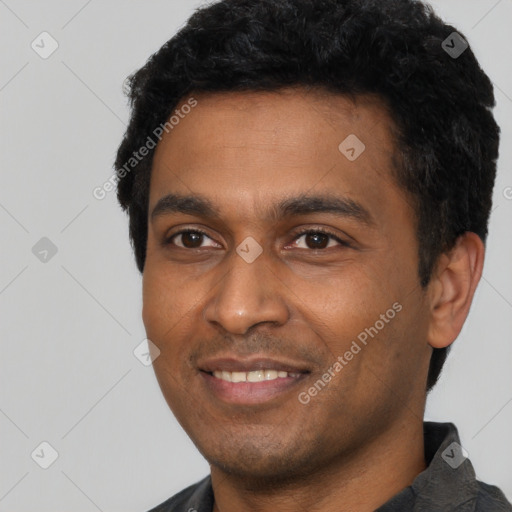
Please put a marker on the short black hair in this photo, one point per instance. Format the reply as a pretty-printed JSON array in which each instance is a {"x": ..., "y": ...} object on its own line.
[{"x": 446, "y": 136}]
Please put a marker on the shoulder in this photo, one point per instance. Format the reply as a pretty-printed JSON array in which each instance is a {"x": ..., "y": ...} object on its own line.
[
  {"x": 195, "y": 498},
  {"x": 491, "y": 499}
]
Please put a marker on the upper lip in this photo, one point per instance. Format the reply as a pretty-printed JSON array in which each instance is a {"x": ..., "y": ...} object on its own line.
[{"x": 231, "y": 364}]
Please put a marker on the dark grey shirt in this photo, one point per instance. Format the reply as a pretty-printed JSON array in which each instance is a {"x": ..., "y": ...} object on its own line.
[{"x": 448, "y": 483}]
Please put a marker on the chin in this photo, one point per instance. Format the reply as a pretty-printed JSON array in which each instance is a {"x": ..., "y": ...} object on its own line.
[{"x": 261, "y": 466}]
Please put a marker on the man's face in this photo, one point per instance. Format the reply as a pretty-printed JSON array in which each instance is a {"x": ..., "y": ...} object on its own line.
[{"x": 251, "y": 315}]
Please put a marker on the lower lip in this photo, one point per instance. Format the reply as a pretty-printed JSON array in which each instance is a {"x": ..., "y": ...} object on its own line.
[{"x": 250, "y": 392}]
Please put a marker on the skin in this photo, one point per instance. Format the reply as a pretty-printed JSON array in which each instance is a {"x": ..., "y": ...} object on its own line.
[{"x": 359, "y": 440}]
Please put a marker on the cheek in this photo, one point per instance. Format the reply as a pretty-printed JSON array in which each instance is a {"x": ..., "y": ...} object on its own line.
[
  {"x": 163, "y": 303},
  {"x": 168, "y": 326},
  {"x": 153, "y": 301},
  {"x": 350, "y": 300},
  {"x": 365, "y": 316}
]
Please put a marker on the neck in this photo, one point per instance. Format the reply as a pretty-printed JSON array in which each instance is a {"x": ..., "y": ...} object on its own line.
[{"x": 362, "y": 481}]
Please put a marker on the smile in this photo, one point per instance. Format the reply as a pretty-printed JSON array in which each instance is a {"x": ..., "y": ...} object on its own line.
[{"x": 253, "y": 376}]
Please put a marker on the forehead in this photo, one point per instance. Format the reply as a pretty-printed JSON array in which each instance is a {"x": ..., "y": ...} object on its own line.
[{"x": 244, "y": 148}]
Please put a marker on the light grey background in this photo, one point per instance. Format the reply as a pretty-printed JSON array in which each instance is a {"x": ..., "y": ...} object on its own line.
[{"x": 68, "y": 375}]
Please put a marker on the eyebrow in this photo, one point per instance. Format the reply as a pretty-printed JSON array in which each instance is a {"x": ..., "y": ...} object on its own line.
[{"x": 200, "y": 206}]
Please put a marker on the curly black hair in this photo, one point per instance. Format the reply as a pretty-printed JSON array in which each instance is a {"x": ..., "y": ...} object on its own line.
[{"x": 441, "y": 103}]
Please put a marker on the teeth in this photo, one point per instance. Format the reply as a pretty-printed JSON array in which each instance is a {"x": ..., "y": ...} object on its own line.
[
  {"x": 254, "y": 376},
  {"x": 272, "y": 374},
  {"x": 238, "y": 376}
]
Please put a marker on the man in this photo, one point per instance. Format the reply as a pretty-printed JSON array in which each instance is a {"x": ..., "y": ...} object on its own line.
[{"x": 309, "y": 185}]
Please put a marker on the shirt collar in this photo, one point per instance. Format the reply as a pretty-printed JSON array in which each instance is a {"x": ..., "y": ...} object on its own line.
[{"x": 449, "y": 481}]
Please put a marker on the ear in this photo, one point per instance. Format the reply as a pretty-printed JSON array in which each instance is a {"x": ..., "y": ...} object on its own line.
[{"x": 452, "y": 288}]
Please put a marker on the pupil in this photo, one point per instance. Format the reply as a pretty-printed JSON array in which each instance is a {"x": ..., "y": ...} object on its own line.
[
  {"x": 186, "y": 237},
  {"x": 314, "y": 237}
]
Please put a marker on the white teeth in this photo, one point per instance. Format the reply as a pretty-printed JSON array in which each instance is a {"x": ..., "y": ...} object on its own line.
[
  {"x": 225, "y": 376},
  {"x": 254, "y": 376},
  {"x": 238, "y": 376},
  {"x": 272, "y": 374}
]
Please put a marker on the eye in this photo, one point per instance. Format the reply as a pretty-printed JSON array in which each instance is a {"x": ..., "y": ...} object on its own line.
[
  {"x": 190, "y": 239},
  {"x": 313, "y": 239},
  {"x": 317, "y": 239}
]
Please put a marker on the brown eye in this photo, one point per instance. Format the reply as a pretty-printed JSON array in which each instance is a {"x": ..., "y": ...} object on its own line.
[
  {"x": 317, "y": 239},
  {"x": 190, "y": 239}
]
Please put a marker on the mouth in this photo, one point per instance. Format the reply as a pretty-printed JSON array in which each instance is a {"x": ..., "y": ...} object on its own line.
[
  {"x": 254, "y": 375},
  {"x": 247, "y": 382}
]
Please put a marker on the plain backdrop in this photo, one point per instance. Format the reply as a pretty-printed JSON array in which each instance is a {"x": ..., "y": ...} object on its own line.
[{"x": 69, "y": 325}]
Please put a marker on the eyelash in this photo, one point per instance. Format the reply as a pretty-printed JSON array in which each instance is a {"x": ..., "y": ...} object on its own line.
[{"x": 297, "y": 234}]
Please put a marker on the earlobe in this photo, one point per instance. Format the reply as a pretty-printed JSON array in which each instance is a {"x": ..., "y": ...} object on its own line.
[{"x": 452, "y": 288}]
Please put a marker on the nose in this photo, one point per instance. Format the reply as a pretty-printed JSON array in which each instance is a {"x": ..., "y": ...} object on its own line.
[{"x": 248, "y": 294}]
